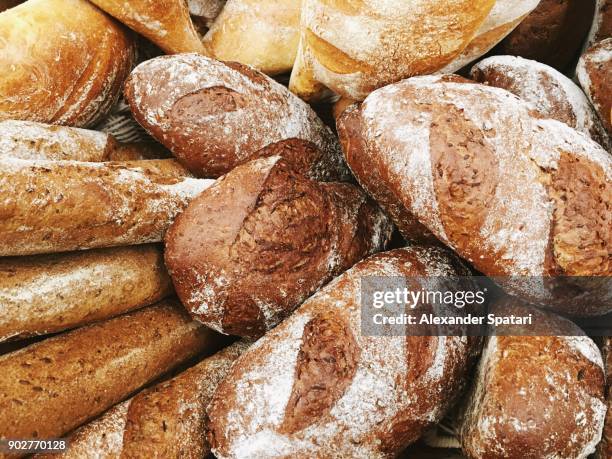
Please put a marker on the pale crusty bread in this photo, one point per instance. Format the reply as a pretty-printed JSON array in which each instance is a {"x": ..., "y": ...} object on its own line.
[
  {"x": 262, "y": 239},
  {"x": 261, "y": 33},
  {"x": 535, "y": 396},
  {"x": 61, "y": 62},
  {"x": 316, "y": 387},
  {"x": 594, "y": 72},
  {"x": 165, "y": 22},
  {"x": 355, "y": 47},
  {"x": 50, "y": 388},
  {"x": 47, "y": 294},
  {"x": 55, "y": 206}
]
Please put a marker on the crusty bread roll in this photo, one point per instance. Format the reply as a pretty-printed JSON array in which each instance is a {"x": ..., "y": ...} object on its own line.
[
  {"x": 214, "y": 116},
  {"x": 260, "y": 33},
  {"x": 594, "y": 72},
  {"x": 549, "y": 93},
  {"x": 55, "y": 206},
  {"x": 61, "y": 62},
  {"x": 52, "y": 387},
  {"x": 165, "y": 22},
  {"x": 503, "y": 18},
  {"x": 355, "y": 47},
  {"x": 552, "y": 34},
  {"x": 46, "y": 294},
  {"x": 454, "y": 154},
  {"x": 536, "y": 396},
  {"x": 602, "y": 23},
  {"x": 316, "y": 387},
  {"x": 255, "y": 245}
]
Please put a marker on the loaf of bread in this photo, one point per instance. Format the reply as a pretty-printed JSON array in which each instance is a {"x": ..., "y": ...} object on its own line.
[
  {"x": 214, "y": 116},
  {"x": 604, "y": 449},
  {"x": 549, "y": 93},
  {"x": 255, "y": 245},
  {"x": 503, "y": 19},
  {"x": 56, "y": 206},
  {"x": 61, "y": 62},
  {"x": 536, "y": 396},
  {"x": 602, "y": 23},
  {"x": 260, "y": 33},
  {"x": 165, "y": 22},
  {"x": 52, "y": 387},
  {"x": 594, "y": 72},
  {"x": 552, "y": 34},
  {"x": 353, "y": 48},
  {"x": 47, "y": 294},
  {"x": 315, "y": 386},
  {"x": 453, "y": 155}
]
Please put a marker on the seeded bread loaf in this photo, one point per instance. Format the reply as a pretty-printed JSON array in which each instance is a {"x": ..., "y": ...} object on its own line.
[
  {"x": 55, "y": 206},
  {"x": 47, "y": 294},
  {"x": 441, "y": 151},
  {"x": 61, "y": 62},
  {"x": 250, "y": 249},
  {"x": 52, "y": 387},
  {"x": 213, "y": 116},
  {"x": 316, "y": 387},
  {"x": 595, "y": 75}
]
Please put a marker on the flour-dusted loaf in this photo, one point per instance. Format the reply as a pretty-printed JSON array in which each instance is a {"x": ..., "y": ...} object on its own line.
[
  {"x": 594, "y": 72},
  {"x": 353, "y": 48},
  {"x": 455, "y": 155},
  {"x": 214, "y": 116},
  {"x": 549, "y": 93},
  {"x": 50, "y": 388},
  {"x": 55, "y": 206},
  {"x": 602, "y": 23},
  {"x": 316, "y": 387},
  {"x": 552, "y": 34},
  {"x": 47, "y": 294},
  {"x": 604, "y": 449},
  {"x": 261, "y": 33},
  {"x": 262, "y": 239},
  {"x": 536, "y": 397},
  {"x": 503, "y": 18},
  {"x": 165, "y": 22},
  {"x": 61, "y": 62}
]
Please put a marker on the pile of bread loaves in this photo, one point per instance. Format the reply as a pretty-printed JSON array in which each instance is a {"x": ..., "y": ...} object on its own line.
[{"x": 191, "y": 192}]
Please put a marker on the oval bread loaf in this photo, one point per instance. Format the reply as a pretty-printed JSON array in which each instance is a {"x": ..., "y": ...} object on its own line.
[
  {"x": 47, "y": 294},
  {"x": 316, "y": 387},
  {"x": 594, "y": 72},
  {"x": 536, "y": 396},
  {"x": 61, "y": 62},
  {"x": 214, "y": 116},
  {"x": 250, "y": 249},
  {"x": 55, "y": 206},
  {"x": 445, "y": 155},
  {"x": 52, "y": 387}
]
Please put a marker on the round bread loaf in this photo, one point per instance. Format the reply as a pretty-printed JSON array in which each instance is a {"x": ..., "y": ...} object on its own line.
[
  {"x": 262, "y": 239},
  {"x": 315, "y": 386},
  {"x": 453, "y": 155},
  {"x": 61, "y": 62},
  {"x": 595, "y": 75},
  {"x": 214, "y": 116},
  {"x": 552, "y": 34}
]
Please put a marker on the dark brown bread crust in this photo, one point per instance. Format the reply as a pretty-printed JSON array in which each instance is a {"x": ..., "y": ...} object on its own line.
[
  {"x": 595, "y": 74},
  {"x": 604, "y": 449},
  {"x": 52, "y": 387},
  {"x": 263, "y": 239},
  {"x": 552, "y": 34}
]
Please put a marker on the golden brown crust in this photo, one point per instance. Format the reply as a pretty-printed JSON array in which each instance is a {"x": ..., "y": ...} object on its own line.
[
  {"x": 47, "y": 294},
  {"x": 51, "y": 387},
  {"x": 63, "y": 62}
]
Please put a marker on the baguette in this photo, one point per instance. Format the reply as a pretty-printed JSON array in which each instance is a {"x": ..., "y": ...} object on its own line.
[
  {"x": 594, "y": 72},
  {"x": 536, "y": 396},
  {"x": 62, "y": 62},
  {"x": 250, "y": 249},
  {"x": 55, "y": 206},
  {"x": 213, "y": 116},
  {"x": 52, "y": 387},
  {"x": 442, "y": 150},
  {"x": 316, "y": 387},
  {"x": 47, "y": 294}
]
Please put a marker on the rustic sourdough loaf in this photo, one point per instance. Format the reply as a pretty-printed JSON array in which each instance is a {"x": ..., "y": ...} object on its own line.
[
  {"x": 316, "y": 387},
  {"x": 62, "y": 62},
  {"x": 262, "y": 239},
  {"x": 595, "y": 75}
]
